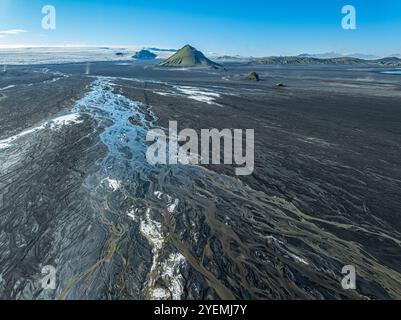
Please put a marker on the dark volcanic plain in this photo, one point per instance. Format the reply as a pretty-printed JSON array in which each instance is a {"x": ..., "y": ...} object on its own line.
[{"x": 79, "y": 195}]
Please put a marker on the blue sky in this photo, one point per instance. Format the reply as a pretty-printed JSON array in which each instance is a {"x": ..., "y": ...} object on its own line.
[{"x": 252, "y": 27}]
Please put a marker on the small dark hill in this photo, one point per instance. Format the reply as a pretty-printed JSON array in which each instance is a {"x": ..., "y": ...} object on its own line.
[
  {"x": 145, "y": 55},
  {"x": 252, "y": 76}
]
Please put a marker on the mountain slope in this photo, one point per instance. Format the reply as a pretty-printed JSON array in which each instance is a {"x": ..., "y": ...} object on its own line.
[{"x": 188, "y": 57}]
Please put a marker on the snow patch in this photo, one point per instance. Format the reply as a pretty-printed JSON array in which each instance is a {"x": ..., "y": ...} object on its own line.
[
  {"x": 158, "y": 194},
  {"x": 165, "y": 280},
  {"x": 53, "y": 124},
  {"x": 133, "y": 214},
  {"x": 298, "y": 259},
  {"x": 165, "y": 94},
  {"x": 198, "y": 94},
  {"x": 172, "y": 207},
  {"x": 8, "y": 87},
  {"x": 66, "y": 120},
  {"x": 112, "y": 183},
  {"x": 280, "y": 245},
  {"x": 152, "y": 231},
  {"x": 172, "y": 204},
  {"x": 170, "y": 275}
]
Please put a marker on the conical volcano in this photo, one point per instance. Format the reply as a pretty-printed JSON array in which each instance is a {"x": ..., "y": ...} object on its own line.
[{"x": 188, "y": 57}]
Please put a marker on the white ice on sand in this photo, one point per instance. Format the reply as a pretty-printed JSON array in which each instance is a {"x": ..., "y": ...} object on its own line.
[
  {"x": 8, "y": 87},
  {"x": 158, "y": 194},
  {"x": 165, "y": 280},
  {"x": 298, "y": 259},
  {"x": 65, "y": 120},
  {"x": 168, "y": 271},
  {"x": 55, "y": 123},
  {"x": 171, "y": 204},
  {"x": 113, "y": 184},
  {"x": 152, "y": 231},
  {"x": 281, "y": 245},
  {"x": 198, "y": 94},
  {"x": 194, "y": 93}
]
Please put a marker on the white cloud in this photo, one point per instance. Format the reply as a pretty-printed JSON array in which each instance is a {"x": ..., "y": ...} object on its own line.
[
  {"x": 4, "y": 33},
  {"x": 12, "y": 31}
]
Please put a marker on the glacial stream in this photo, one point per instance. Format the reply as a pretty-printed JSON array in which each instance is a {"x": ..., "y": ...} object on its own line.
[
  {"x": 232, "y": 235},
  {"x": 132, "y": 230}
]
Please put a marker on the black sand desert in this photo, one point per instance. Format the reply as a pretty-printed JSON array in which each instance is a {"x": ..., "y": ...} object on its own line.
[{"x": 77, "y": 193}]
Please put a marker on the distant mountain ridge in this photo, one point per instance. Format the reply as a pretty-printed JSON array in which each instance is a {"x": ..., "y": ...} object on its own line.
[
  {"x": 332, "y": 55},
  {"x": 163, "y": 50},
  {"x": 291, "y": 60},
  {"x": 236, "y": 58},
  {"x": 330, "y": 58},
  {"x": 188, "y": 56}
]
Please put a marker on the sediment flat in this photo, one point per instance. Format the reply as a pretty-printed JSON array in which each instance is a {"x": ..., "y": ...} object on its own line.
[{"x": 77, "y": 193}]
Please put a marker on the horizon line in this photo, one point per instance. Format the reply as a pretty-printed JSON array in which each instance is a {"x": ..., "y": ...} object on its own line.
[{"x": 138, "y": 47}]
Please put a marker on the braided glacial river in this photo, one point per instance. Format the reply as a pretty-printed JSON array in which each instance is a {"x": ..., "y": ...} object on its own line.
[{"x": 120, "y": 228}]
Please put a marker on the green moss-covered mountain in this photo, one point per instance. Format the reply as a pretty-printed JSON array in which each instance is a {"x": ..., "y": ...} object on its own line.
[{"x": 188, "y": 57}]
